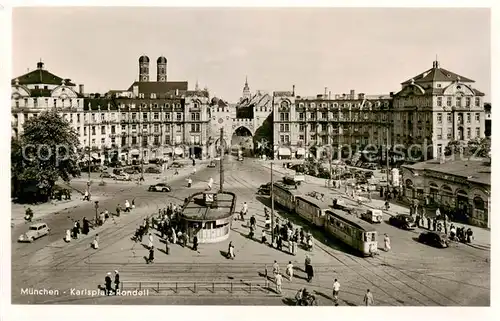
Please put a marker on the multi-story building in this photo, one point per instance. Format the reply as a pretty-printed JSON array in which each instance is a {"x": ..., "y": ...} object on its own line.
[
  {"x": 319, "y": 125},
  {"x": 40, "y": 90},
  {"x": 436, "y": 107},
  {"x": 151, "y": 120}
]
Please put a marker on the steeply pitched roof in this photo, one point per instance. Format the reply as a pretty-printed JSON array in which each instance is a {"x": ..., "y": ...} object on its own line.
[
  {"x": 437, "y": 73},
  {"x": 41, "y": 76},
  {"x": 157, "y": 87}
]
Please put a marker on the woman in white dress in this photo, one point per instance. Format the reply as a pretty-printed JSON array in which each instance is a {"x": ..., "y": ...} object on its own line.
[
  {"x": 231, "y": 252},
  {"x": 150, "y": 244},
  {"x": 387, "y": 243},
  {"x": 95, "y": 243},
  {"x": 68, "y": 236}
]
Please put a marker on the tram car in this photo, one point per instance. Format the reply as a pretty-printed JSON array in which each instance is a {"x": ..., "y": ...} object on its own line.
[
  {"x": 359, "y": 235},
  {"x": 285, "y": 196},
  {"x": 311, "y": 209}
]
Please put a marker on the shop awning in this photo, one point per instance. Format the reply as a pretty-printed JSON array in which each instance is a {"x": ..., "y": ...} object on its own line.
[
  {"x": 301, "y": 151},
  {"x": 178, "y": 151},
  {"x": 282, "y": 151}
]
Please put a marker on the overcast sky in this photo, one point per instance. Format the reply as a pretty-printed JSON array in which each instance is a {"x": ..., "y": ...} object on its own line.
[{"x": 368, "y": 50}]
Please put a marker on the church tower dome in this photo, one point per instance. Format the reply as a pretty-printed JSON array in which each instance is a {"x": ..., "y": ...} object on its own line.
[
  {"x": 144, "y": 68},
  {"x": 161, "y": 69}
]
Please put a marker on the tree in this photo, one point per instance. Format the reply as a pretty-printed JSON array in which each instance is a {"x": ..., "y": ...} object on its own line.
[
  {"x": 454, "y": 147},
  {"x": 45, "y": 152},
  {"x": 479, "y": 147}
]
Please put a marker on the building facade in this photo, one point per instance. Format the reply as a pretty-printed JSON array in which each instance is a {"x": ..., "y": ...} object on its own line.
[
  {"x": 320, "y": 125},
  {"x": 461, "y": 187},
  {"x": 40, "y": 90},
  {"x": 437, "y": 106}
]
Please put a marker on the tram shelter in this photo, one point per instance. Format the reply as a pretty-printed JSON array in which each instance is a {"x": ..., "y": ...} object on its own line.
[{"x": 208, "y": 215}]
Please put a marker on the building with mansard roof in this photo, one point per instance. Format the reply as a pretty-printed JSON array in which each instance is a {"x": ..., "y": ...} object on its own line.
[{"x": 436, "y": 107}]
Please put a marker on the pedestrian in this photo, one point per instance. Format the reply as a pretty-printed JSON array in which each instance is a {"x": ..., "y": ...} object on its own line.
[
  {"x": 86, "y": 197},
  {"x": 107, "y": 282},
  {"x": 417, "y": 220},
  {"x": 290, "y": 246},
  {"x": 263, "y": 239},
  {"x": 118, "y": 210},
  {"x": 117, "y": 281},
  {"x": 150, "y": 239},
  {"x": 252, "y": 221},
  {"x": 387, "y": 243},
  {"x": 133, "y": 203},
  {"x": 195, "y": 243},
  {"x": 336, "y": 289},
  {"x": 294, "y": 247},
  {"x": 279, "y": 280},
  {"x": 368, "y": 299},
  {"x": 289, "y": 270},
  {"x": 67, "y": 238},
  {"x": 151, "y": 255},
  {"x": 309, "y": 272},
  {"x": 429, "y": 223},
  {"x": 95, "y": 243},
  {"x": 231, "y": 252},
  {"x": 127, "y": 206},
  {"x": 279, "y": 243},
  {"x": 276, "y": 268}
]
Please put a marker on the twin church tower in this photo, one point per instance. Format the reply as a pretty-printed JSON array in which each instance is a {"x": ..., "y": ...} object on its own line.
[{"x": 161, "y": 69}]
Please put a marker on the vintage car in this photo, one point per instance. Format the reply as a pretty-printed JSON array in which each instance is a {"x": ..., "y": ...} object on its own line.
[
  {"x": 403, "y": 221},
  {"x": 108, "y": 175},
  {"x": 123, "y": 177},
  {"x": 264, "y": 189},
  {"x": 211, "y": 164},
  {"x": 433, "y": 239},
  {"x": 176, "y": 165},
  {"x": 160, "y": 187},
  {"x": 35, "y": 231},
  {"x": 153, "y": 170},
  {"x": 372, "y": 216}
]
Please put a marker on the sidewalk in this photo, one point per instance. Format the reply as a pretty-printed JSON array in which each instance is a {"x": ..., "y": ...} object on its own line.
[
  {"x": 482, "y": 236},
  {"x": 41, "y": 210}
]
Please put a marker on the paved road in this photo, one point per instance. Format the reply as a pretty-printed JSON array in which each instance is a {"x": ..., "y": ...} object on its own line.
[{"x": 411, "y": 274}]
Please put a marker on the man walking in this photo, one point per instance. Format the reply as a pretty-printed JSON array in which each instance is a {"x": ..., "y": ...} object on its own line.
[
  {"x": 368, "y": 299},
  {"x": 150, "y": 243},
  {"x": 276, "y": 269},
  {"x": 387, "y": 243},
  {"x": 107, "y": 281},
  {"x": 336, "y": 289},
  {"x": 117, "y": 281}
]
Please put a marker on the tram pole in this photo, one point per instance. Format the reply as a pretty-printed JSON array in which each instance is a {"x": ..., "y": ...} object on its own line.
[
  {"x": 221, "y": 165},
  {"x": 272, "y": 205}
]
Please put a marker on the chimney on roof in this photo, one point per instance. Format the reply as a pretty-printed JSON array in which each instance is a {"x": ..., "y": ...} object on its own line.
[
  {"x": 435, "y": 64},
  {"x": 329, "y": 95},
  {"x": 81, "y": 89},
  {"x": 352, "y": 95},
  {"x": 293, "y": 90},
  {"x": 326, "y": 91},
  {"x": 39, "y": 65}
]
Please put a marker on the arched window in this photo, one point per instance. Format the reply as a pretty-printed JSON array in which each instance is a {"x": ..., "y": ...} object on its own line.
[
  {"x": 478, "y": 203},
  {"x": 446, "y": 195},
  {"x": 433, "y": 192}
]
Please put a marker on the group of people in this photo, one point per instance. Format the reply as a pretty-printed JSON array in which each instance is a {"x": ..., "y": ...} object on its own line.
[
  {"x": 77, "y": 229},
  {"x": 108, "y": 283}
]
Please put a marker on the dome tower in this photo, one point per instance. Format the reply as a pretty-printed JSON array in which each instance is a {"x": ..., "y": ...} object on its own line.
[
  {"x": 144, "y": 68},
  {"x": 161, "y": 69}
]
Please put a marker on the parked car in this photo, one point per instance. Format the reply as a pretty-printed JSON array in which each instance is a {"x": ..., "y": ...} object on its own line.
[
  {"x": 435, "y": 239},
  {"x": 372, "y": 216},
  {"x": 403, "y": 221},
  {"x": 107, "y": 175},
  {"x": 153, "y": 170},
  {"x": 118, "y": 171},
  {"x": 264, "y": 189},
  {"x": 211, "y": 164},
  {"x": 160, "y": 187},
  {"x": 176, "y": 165},
  {"x": 35, "y": 231},
  {"x": 123, "y": 177},
  {"x": 131, "y": 171},
  {"x": 368, "y": 174}
]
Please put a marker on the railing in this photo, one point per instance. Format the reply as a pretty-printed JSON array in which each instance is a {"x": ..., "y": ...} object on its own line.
[{"x": 195, "y": 286}]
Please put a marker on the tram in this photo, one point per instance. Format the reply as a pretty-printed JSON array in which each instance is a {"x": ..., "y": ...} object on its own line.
[
  {"x": 285, "y": 196},
  {"x": 311, "y": 209},
  {"x": 357, "y": 234},
  {"x": 352, "y": 231}
]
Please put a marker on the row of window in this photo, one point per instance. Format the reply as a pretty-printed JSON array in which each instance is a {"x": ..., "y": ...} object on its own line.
[
  {"x": 156, "y": 128},
  {"x": 55, "y": 102},
  {"x": 449, "y": 133},
  {"x": 449, "y": 118},
  {"x": 145, "y": 141},
  {"x": 336, "y": 105},
  {"x": 459, "y": 101},
  {"x": 336, "y": 116}
]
